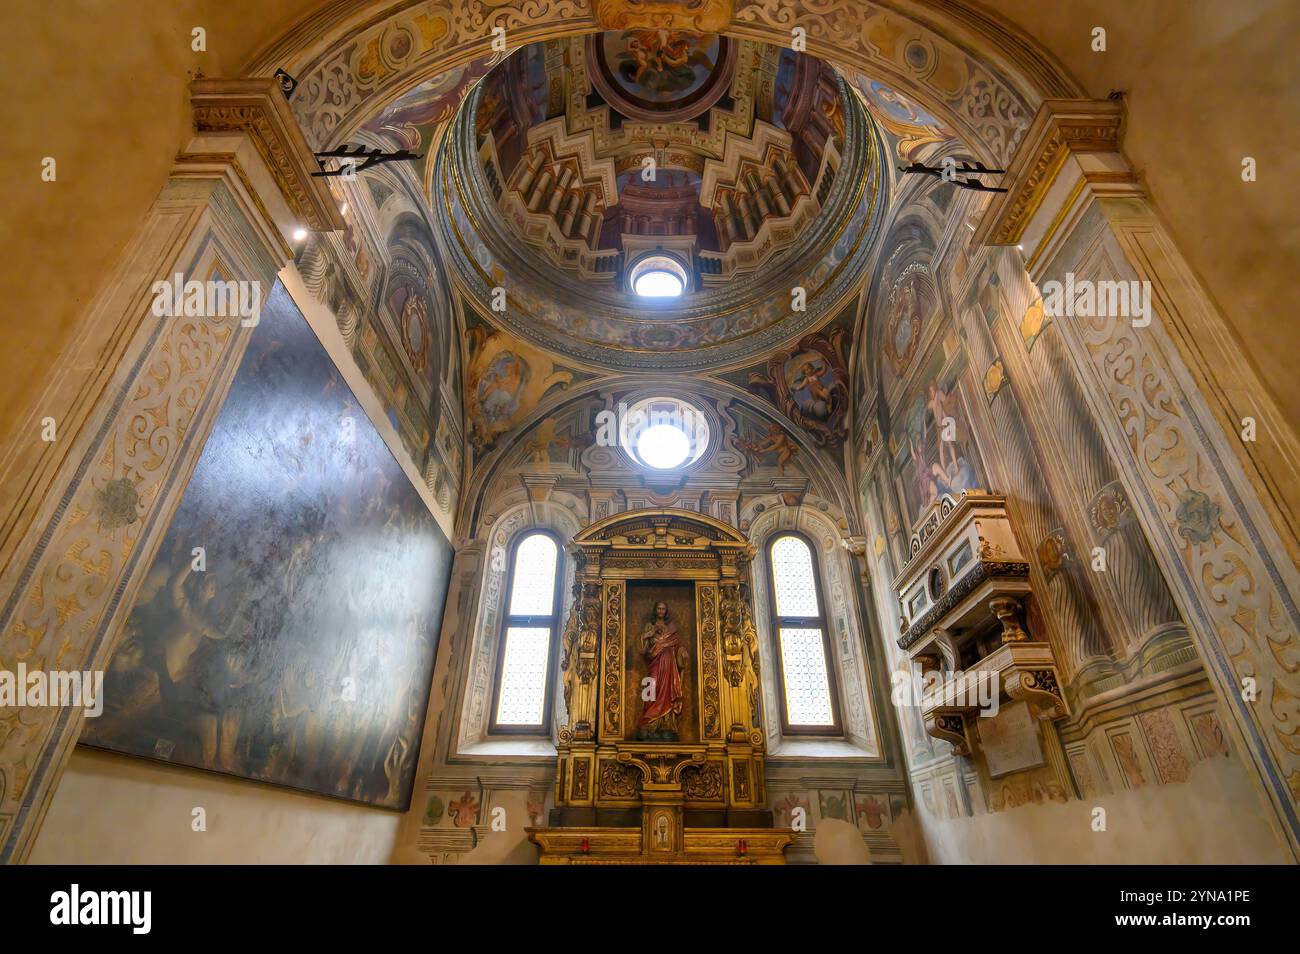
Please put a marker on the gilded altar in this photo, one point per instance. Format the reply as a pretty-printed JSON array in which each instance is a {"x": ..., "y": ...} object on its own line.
[{"x": 661, "y": 758}]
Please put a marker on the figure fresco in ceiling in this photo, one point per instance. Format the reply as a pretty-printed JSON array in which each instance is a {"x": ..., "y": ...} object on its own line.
[
  {"x": 411, "y": 120},
  {"x": 930, "y": 446},
  {"x": 506, "y": 381},
  {"x": 419, "y": 305},
  {"x": 810, "y": 383},
  {"x": 907, "y": 308},
  {"x": 661, "y": 65},
  {"x": 907, "y": 122},
  {"x": 541, "y": 446},
  {"x": 776, "y": 444}
]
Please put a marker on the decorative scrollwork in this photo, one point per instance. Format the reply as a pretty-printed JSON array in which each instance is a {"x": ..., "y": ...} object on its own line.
[
  {"x": 1039, "y": 688},
  {"x": 618, "y": 780},
  {"x": 709, "y": 662},
  {"x": 703, "y": 782},
  {"x": 950, "y": 728},
  {"x": 613, "y": 657}
]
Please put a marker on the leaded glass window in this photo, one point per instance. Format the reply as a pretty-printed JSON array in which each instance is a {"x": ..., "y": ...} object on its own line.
[
  {"x": 528, "y": 632},
  {"x": 799, "y": 621}
]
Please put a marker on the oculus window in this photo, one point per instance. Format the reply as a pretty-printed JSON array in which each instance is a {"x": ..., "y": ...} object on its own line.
[
  {"x": 658, "y": 276},
  {"x": 664, "y": 433},
  {"x": 526, "y": 655},
  {"x": 809, "y": 702}
]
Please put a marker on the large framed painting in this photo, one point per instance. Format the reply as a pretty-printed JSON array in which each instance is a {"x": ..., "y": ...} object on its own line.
[{"x": 287, "y": 627}]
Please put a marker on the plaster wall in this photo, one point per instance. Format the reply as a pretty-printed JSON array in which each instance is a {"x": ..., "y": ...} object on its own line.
[{"x": 110, "y": 809}]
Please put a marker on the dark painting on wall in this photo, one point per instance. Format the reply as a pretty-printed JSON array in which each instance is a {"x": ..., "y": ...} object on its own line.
[{"x": 286, "y": 630}]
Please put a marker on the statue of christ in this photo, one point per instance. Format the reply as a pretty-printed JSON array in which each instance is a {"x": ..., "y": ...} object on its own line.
[{"x": 666, "y": 660}]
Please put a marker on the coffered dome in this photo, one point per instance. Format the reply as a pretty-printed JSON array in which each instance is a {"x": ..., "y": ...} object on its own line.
[{"x": 730, "y": 172}]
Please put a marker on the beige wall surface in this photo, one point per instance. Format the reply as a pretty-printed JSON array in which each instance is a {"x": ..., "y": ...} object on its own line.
[
  {"x": 1206, "y": 84},
  {"x": 1215, "y": 817},
  {"x": 101, "y": 86},
  {"x": 111, "y": 809}
]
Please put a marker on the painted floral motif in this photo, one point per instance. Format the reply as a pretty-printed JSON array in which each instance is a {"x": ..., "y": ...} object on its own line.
[
  {"x": 1197, "y": 516},
  {"x": 116, "y": 504},
  {"x": 1126, "y": 755},
  {"x": 464, "y": 811},
  {"x": 870, "y": 811},
  {"x": 1209, "y": 734},
  {"x": 1171, "y": 763},
  {"x": 785, "y": 810}
]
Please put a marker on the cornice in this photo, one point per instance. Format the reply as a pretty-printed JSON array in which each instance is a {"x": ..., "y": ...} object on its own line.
[
  {"x": 258, "y": 109},
  {"x": 1061, "y": 128}
]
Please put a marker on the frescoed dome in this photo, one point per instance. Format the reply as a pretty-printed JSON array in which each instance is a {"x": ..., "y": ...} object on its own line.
[{"x": 731, "y": 170}]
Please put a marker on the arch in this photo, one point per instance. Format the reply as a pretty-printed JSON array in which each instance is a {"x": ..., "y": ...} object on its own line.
[
  {"x": 972, "y": 70},
  {"x": 818, "y": 619},
  {"x": 827, "y": 480},
  {"x": 845, "y": 621},
  {"x": 488, "y": 584}
]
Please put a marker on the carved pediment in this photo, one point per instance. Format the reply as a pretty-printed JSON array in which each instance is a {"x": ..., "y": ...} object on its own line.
[{"x": 661, "y": 529}]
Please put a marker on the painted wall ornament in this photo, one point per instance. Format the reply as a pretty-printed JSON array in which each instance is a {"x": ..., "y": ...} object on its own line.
[
  {"x": 544, "y": 439},
  {"x": 1197, "y": 516},
  {"x": 994, "y": 378},
  {"x": 933, "y": 454},
  {"x": 905, "y": 316},
  {"x": 906, "y": 121},
  {"x": 661, "y": 75},
  {"x": 697, "y": 16}
]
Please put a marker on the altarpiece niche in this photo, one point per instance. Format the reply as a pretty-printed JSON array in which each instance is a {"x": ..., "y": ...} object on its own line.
[{"x": 662, "y": 754}]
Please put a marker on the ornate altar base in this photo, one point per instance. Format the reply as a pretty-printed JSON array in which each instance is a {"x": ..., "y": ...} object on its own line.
[
  {"x": 623, "y": 846},
  {"x": 662, "y": 758}
]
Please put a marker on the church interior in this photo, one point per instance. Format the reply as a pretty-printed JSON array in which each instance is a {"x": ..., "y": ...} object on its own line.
[{"x": 624, "y": 432}]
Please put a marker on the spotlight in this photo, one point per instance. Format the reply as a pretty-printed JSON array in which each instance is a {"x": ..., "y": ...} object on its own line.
[{"x": 299, "y": 234}]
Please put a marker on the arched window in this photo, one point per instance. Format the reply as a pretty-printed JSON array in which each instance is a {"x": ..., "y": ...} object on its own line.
[
  {"x": 522, "y": 699},
  {"x": 810, "y": 703}
]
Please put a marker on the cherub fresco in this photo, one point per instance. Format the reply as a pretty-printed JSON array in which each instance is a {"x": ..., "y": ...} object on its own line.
[
  {"x": 664, "y": 62},
  {"x": 810, "y": 384},
  {"x": 507, "y": 379},
  {"x": 776, "y": 441},
  {"x": 538, "y": 447}
]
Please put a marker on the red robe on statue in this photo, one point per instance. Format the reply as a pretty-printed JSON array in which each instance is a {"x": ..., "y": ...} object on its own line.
[{"x": 663, "y": 669}]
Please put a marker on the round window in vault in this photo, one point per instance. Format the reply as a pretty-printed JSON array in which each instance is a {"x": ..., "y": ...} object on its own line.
[
  {"x": 664, "y": 433},
  {"x": 658, "y": 276}
]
